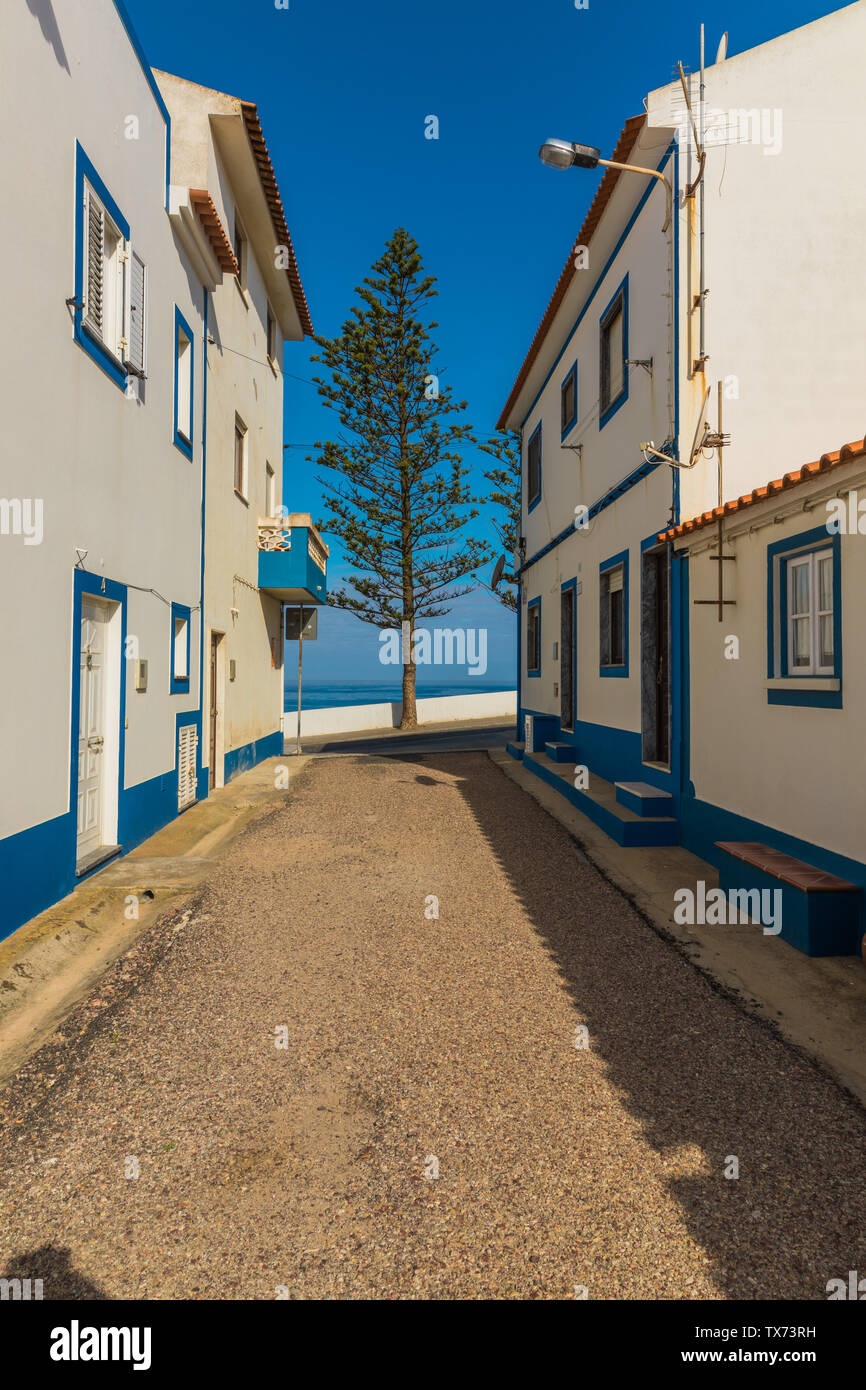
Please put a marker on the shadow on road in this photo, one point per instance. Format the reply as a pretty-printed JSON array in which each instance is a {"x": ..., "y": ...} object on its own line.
[
  {"x": 60, "y": 1279},
  {"x": 707, "y": 1082}
]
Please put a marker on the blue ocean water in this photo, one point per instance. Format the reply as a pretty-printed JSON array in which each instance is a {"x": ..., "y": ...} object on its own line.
[{"x": 317, "y": 695}]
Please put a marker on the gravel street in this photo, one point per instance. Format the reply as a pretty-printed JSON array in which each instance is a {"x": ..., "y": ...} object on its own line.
[{"x": 417, "y": 1045}]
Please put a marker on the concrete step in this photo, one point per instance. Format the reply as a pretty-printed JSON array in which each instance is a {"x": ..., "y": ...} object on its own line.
[
  {"x": 516, "y": 750},
  {"x": 561, "y": 752},
  {"x": 644, "y": 799},
  {"x": 599, "y": 802}
]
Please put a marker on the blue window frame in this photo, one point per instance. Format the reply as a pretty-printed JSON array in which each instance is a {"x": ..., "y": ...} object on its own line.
[
  {"x": 568, "y": 402},
  {"x": 184, "y": 381},
  {"x": 99, "y": 306},
  {"x": 533, "y": 637},
  {"x": 533, "y": 468},
  {"x": 613, "y": 355},
  {"x": 804, "y": 617},
  {"x": 179, "y": 681},
  {"x": 613, "y": 615}
]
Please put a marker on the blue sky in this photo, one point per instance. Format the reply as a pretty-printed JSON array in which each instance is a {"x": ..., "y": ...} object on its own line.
[{"x": 343, "y": 90}]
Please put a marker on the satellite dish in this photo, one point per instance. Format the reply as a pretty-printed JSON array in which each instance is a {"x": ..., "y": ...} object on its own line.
[
  {"x": 698, "y": 439},
  {"x": 722, "y": 51},
  {"x": 497, "y": 571}
]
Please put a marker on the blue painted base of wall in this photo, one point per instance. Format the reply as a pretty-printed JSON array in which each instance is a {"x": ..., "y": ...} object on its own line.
[
  {"x": 703, "y": 824},
  {"x": 515, "y": 750},
  {"x": 239, "y": 760},
  {"x": 818, "y": 924}
]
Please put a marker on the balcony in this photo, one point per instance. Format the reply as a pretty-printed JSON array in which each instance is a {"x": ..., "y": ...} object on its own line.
[{"x": 293, "y": 559}]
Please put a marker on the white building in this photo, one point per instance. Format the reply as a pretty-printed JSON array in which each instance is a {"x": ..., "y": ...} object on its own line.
[
  {"x": 226, "y": 207},
  {"x": 742, "y": 294},
  {"x": 115, "y": 280}
]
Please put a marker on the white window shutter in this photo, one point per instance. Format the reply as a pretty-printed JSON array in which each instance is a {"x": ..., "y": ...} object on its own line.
[
  {"x": 187, "y": 743},
  {"x": 94, "y": 257},
  {"x": 137, "y": 312}
]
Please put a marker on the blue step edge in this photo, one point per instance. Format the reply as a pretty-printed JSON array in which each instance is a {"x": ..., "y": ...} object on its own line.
[
  {"x": 643, "y": 799},
  {"x": 631, "y": 834},
  {"x": 515, "y": 750},
  {"x": 561, "y": 752}
]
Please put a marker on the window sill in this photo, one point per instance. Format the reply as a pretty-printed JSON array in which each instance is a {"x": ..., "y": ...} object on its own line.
[
  {"x": 272, "y": 363},
  {"x": 242, "y": 291},
  {"x": 241, "y": 498},
  {"x": 812, "y": 683}
]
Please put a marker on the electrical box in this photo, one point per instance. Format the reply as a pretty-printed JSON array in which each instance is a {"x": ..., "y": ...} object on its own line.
[
  {"x": 232, "y": 669},
  {"x": 141, "y": 675}
]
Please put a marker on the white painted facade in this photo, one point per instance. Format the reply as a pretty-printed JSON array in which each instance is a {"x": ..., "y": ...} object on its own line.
[
  {"x": 102, "y": 618},
  {"x": 780, "y": 232},
  {"x": 242, "y": 626}
]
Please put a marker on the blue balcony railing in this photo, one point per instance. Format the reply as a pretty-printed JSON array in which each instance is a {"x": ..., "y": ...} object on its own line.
[{"x": 293, "y": 559}]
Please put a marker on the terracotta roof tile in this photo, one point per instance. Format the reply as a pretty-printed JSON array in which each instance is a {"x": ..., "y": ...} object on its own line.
[
  {"x": 624, "y": 147},
  {"x": 275, "y": 204},
  {"x": 825, "y": 464},
  {"x": 214, "y": 230}
]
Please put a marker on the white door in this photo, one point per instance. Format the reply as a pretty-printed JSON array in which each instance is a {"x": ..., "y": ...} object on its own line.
[{"x": 91, "y": 727}]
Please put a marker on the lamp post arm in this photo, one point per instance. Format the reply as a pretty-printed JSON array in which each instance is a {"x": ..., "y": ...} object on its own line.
[{"x": 650, "y": 173}]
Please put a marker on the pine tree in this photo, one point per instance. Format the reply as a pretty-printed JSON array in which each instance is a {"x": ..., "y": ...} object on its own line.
[
  {"x": 505, "y": 448},
  {"x": 396, "y": 486}
]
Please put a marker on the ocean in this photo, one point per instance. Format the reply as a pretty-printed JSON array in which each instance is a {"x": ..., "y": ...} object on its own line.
[{"x": 317, "y": 695}]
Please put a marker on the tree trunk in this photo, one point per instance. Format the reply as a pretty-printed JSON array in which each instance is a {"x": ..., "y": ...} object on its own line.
[{"x": 410, "y": 715}]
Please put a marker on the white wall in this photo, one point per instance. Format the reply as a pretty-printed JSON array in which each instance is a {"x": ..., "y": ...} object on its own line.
[
  {"x": 106, "y": 467},
  {"x": 783, "y": 239},
  {"x": 798, "y": 769},
  {"x": 442, "y": 709}
]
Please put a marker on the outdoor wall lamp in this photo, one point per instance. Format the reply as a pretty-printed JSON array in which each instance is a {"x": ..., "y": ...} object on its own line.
[{"x": 565, "y": 154}]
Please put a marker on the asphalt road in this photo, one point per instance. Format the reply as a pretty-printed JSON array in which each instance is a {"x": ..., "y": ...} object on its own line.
[{"x": 311, "y": 1082}]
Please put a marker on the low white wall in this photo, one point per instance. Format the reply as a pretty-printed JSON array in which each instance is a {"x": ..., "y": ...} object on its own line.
[{"x": 355, "y": 718}]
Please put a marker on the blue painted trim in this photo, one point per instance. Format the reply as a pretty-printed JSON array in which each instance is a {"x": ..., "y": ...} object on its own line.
[
  {"x": 671, "y": 150},
  {"x": 532, "y": 502},
  {"x": 569, "y": 426},
  {"x": 611, "y": 496},
  {"x": 620, "y": 559},
  {"x": 621, "y": 294},
  {"x": 571, "y": 584},
  {"x": 179, "y": 685},
  {"x": 151, "y": 82},
  {"x": 778, "y": 555},
  {"x": 85, "y": 339},
  {"x": 239, "y": 760},
  {"x": 629, "y": 833},
  {"x": 183, "y": 442},
  {"x": 533, "y": 671}
]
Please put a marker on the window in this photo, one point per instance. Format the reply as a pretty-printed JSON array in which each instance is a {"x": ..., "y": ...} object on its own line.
[
  {"x": 240, "y": 249},
  {"x": 270, "y": 491},
  {"x": 179, "y": 682},
  {"x": 533, "y": 637},
  {"x": 183, "y": 383},
  {"x": 104, "y": 275},
  {"x": 240, "y": 458},
  {"x": 272, "y": 335},
  {"x": 613, "y": 616},
  {"x": 533, "y": 469},
  {"x": 136, "y": 357},
  {"x": 568, "y": 401},
  {"x": 613, "y": 351},
  {"x": 804, "y": 620},
  {"x": 810, "y": 646},
  {"x": 102, "y": 325}
]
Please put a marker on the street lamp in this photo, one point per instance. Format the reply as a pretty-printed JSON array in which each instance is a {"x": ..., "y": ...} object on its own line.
[{"x": 565, "y": 154}]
